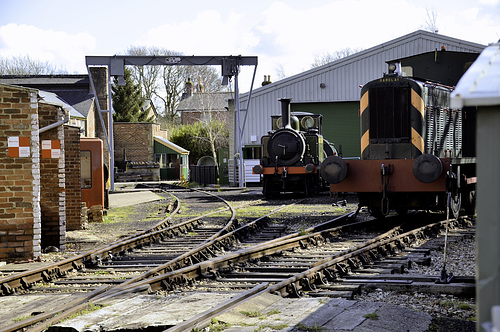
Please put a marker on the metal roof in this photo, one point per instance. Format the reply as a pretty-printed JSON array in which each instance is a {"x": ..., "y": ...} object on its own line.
[
  {"x": 171, "y": 145},
  {"x": 480, "y": 85}
]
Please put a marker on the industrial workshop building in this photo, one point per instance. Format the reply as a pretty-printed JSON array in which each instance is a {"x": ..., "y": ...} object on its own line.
[{"x": 333, "y": 90}]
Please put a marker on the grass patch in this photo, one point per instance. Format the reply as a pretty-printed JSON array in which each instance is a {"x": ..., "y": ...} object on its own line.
[
  {"x": 274, "y": 327},
  {"x": 273, "y": 312},
  {"x": 90, "y": 308},
  {"x": 456, "y": 305},
  {"x": 20, "y": 318},
  {"x": 215, "y": 326},
  {"x": 309, "y": 328},
  {"x": 302, "y": 231},
  {"x": 251, "y": 313},
  {"x": 372, "y": 316},
  {"x": 118, "y": 214}
]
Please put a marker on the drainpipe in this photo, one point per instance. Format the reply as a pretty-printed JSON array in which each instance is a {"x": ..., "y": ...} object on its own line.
[{"x": 54, "y": 125}]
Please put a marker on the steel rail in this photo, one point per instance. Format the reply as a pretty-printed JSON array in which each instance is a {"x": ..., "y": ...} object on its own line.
[
  {"x": 201, "y": 253},
  {"x": 25, "y": 280},
  {"x": 63, "y": 312},
  {"x": 312, "y": 276},
  {"x": 396, "y": 241},
  {"x": 169, "y": 279}
]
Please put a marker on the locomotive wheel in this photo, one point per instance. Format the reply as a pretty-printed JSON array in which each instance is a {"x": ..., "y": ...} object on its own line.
[
  {"x": 454, "y": 193},
  {"x": 455, "y": 203},
  {"x": 376, "y": 212},
  {"x": 470, "y": 203},
  {"x": 265, "y": 188},
  {"x": 402, "y": 211}
]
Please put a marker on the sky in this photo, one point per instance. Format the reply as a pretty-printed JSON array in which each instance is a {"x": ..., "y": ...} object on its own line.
[{"x": 286, "y": 35}]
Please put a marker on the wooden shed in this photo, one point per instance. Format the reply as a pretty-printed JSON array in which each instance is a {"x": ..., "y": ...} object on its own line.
[{"x": 173, "y": 159}]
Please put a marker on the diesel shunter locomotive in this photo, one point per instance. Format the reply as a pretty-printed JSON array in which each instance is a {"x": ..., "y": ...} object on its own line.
[
  {"x": 416, "y": 152},
  {"x": 292, "y": 153}
]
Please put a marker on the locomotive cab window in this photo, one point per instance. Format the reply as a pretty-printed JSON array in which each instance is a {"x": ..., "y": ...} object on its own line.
[
  {"x": 86, "y": 169},
  {"x": 252, "y": 152}
]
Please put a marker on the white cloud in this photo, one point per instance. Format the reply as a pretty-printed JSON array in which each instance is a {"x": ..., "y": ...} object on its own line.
[
  {"x": 489, "y": 2},
  {"x": 295, "y": 36},
  {"x": 60, "y": 48},
  {"x": 207, "y": 34}
]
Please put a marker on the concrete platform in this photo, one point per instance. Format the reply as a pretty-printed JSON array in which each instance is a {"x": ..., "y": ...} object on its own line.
[
  {"x": 265, "y": 313},
  {"x": 132, "y": 198},
  {"x": 324, "y": 314}
]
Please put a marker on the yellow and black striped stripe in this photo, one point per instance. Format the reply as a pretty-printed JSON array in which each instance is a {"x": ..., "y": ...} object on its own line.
[
  {"x": 416, "y": 116},
  {"x": 365, "y": 122}
]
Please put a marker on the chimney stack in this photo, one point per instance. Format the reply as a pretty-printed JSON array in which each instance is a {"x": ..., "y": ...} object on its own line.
[{"x": 267, "y": 80}]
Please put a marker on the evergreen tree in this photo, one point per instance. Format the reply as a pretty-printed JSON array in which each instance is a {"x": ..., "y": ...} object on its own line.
[{"x": 127, "y": 101}]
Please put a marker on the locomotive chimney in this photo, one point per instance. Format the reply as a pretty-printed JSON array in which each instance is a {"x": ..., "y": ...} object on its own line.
[{"x": 285, "y": 113}]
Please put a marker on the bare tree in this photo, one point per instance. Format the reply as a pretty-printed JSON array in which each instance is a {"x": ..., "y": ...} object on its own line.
[
  {"x": 325, "y": 58},
  {"x": 431, "y": 22},
  {"x": 172, "y": 82},
  {"x": 24, "y": 65},
  {"x": 146, "y": 76},
  {"x": 166, "y": 83},
  {"x": 280, "y": 71},
  {"x": 214, "y": 120}
]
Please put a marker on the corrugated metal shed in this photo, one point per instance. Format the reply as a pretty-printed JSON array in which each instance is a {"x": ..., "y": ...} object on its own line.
[{"x": 341, "y": 78}]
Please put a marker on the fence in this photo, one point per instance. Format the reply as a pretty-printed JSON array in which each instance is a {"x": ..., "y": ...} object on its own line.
[{"x": 203, "y": 174}]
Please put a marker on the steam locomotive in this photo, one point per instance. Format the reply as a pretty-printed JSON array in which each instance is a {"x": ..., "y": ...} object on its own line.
[
  {"x": 292, "y": 153},
  {"x": 416, "y": 152}
]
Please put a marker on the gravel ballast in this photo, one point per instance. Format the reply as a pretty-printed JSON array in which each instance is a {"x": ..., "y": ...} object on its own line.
[{"x": 448, "y": 311}]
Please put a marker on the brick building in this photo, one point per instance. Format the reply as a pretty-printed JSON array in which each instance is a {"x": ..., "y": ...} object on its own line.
[
  {"x": 37, "y": 150},
  {"x": 142, "y": 152},
  {"x": 199, "y": 105}
]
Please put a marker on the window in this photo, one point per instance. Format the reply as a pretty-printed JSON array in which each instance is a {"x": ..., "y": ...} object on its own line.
[
  {"x": 252, "y": 152},
  {"x": 161, "y": 158},
  {"x": 86, "y": 169}
]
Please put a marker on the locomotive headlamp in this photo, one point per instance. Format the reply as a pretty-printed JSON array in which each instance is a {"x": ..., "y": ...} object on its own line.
[
  {"x": 427, "y": 168},
  {"x": 257, "y": 169},
  {"x": 392, "y": 68},
  {"x": 309, "y": 168},
  {"x": 333, "y": 169},
  {"x": 307, "y": 122}
]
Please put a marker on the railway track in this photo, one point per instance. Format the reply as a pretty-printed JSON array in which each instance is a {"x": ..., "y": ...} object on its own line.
[
  {"x": 326, "y": 260},
  {"x": 165, "y": 247}
]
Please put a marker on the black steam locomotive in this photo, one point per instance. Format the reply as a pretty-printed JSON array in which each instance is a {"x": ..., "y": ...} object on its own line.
[
  {"x": 292, "y": 153},
  {"x": 416, "y": 152}
]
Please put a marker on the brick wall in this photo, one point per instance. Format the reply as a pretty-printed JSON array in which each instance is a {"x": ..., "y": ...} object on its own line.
[
  {"x": 73, "y": 189},
  {"x": 190, "y": 117},
  {"x": 157, "y": 131},
  {"x": 136, "y": 139},
  {"x": 19, "y": 175},
  {"x": 52, "y": 171}
]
